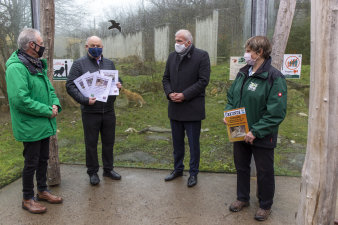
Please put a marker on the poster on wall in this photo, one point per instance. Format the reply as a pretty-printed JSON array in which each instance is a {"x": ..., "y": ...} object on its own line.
[
  {"x": 61, "y": 68},
  {"x": 292, "y": 65},
  {"x": 236, "y": 62}
]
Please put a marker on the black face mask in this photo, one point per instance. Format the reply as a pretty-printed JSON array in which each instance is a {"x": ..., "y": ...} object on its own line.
[{"x": 41, "y": 50}]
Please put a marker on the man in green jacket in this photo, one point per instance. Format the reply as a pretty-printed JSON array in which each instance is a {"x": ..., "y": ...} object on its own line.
[{"x": 34, "y": 106}]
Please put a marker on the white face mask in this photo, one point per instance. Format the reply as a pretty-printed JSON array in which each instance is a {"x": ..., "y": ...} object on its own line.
[
  {"x": 179, "y": 48},
  {"x": 250, "y": 61}
]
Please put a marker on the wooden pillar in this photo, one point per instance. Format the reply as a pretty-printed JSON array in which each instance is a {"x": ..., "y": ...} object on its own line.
[
  {"x": 280, "y": 38},
  {"x": 320, "y": 171},
  {"x": 47, "y": 27}
]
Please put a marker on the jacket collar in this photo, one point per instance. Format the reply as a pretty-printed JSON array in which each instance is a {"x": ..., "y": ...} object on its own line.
[
  {"x": 189, "y": 53},
  {"x": 28, "y": 61},
  {"x": 262, "y": 70},
  {"x": 93, "y": 59}
]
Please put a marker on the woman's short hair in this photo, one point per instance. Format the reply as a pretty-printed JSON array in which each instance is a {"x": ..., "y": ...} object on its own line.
[
  {"x": 259, "y": 42},
  {"x": 27, "y": 35}
]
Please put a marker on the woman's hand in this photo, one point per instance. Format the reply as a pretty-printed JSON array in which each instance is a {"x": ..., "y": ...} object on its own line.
[{"x": 249, "y": 138}]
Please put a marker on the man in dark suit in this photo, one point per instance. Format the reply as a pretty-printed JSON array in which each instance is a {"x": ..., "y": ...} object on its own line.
[
  {"x": 97, "y": 117},
  {"x": 184, "y": 81}
]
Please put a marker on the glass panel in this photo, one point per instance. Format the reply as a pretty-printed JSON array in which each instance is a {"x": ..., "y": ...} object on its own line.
[{"x": 14, "y": 15}]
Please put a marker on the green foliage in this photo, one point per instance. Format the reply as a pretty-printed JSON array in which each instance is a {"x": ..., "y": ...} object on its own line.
[{"x": 299, "y": 38}]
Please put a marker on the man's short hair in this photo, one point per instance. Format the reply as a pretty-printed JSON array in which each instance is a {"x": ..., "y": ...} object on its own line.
[
  {"x": 27, "y": 35},
  {"x": 186, "y": 34}
]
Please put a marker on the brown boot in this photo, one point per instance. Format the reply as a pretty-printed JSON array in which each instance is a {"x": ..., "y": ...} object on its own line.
[
  {"x": 33, "y": 206},
  {"x": 262, "y": 214},
  {"x": 237, "y": 206},
  {"x": 47, "y": 196}
]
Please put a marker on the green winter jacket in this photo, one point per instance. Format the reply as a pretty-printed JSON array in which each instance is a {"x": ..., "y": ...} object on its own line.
[
  {"x": 31, "y": 97},
  {"x": 264, "y": 96}
]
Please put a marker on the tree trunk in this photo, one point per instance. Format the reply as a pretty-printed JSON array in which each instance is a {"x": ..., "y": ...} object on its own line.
[
  {"x": 282, "y": 30},
  {"x": 319, "y": 175},
  {"x": 47, "y": 27}
]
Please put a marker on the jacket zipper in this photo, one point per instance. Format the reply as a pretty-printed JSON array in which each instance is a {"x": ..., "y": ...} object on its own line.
[{"x": 240, "y": 99}]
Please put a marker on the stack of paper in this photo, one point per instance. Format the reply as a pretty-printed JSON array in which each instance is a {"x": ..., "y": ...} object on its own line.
[{"x": 99, "y": 84}]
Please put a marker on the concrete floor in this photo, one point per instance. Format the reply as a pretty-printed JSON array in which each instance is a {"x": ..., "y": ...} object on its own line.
[{"x": 143, "y": 198}]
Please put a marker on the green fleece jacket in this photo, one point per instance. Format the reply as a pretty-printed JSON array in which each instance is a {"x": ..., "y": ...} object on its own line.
[
  {"x": 31, "y": 97},
  {"x": 263, "y": 95}
]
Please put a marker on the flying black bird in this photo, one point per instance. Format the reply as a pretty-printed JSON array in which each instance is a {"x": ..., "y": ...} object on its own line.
[{"x": 114, "y": 25}]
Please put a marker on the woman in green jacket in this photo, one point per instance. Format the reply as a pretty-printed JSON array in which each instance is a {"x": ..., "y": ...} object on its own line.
[
  {"x": 34, "y": 106},
  {"x": 262, "y": 90}
]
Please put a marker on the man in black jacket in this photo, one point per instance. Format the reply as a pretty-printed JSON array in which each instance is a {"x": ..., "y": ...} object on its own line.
[
  {"x": 97, "y": 117},
  {"x": 184, "y": 81}
]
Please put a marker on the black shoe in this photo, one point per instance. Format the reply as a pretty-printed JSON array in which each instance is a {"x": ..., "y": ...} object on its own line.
[
  {"x": 112, "y": 174},
  {"x": 94, "y": 179},
  {"x": 173, "y": 175},
  {"x": 192, "y": 181}
]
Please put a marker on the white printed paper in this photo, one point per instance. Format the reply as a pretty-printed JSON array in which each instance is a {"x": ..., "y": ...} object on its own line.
[
  {"x": 114, "y": 74},
  {"x": 100, "y": 87},
  {"x": 82, "y": 85}
]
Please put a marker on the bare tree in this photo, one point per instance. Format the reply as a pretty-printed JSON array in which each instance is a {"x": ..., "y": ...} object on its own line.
[
  {"x": 319, "y": 175},
  {"x": 14, "y": 15}
]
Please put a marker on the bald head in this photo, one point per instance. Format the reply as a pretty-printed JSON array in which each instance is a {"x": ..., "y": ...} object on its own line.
[
  {"x": 93, "y": 39},
  {"x": 94, "y": 46}
]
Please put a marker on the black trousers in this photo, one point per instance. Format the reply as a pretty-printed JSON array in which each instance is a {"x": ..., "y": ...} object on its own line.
[
  {"x": 93, "y": 125},
  {"x": 193, "y": 130},
  {"x": 264, "y": 159},
  {"x": 36, "y": 156}
]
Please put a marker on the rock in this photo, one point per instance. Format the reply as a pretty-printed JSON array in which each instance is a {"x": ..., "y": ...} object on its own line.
[
  {"x": 158, "y": 138},
  {"x": 131, "y": 130},
  {"x": 292, "y": 141},
  {"x": 302, "y": 114},
  {"x": 155, "y": 129},
  {"x": 205, "y": 130}
]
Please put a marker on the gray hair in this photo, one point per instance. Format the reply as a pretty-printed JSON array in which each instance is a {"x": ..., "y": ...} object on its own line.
[
  {"x": 27, "y": 35},
  {"x": 186, "y": 34}
]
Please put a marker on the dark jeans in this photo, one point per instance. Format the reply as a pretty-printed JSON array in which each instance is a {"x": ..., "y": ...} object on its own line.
[
  {"x": 264, "y": 158},
  {"x": 193, "y": 130},
  {"x": 93, "y": 124},
  {"x": 36, "y": 156}
]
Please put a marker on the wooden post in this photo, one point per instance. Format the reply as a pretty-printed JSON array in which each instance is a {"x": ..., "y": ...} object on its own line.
[
  {"x": 47, "y": 27},
  {"x": 280, "y": 38},
  {"x": 319, "y": 175}
]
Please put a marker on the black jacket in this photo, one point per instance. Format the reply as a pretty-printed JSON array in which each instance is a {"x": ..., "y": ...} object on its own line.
[
  {"x": 188, "y": 75},
  {"x": 81, "y": 66}
]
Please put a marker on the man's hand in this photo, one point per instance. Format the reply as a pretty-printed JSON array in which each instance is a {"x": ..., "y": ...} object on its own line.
[
  {"x": 176, "y": 97},
  {"x": 54, "y": 111},
  {"x": 118, "y": 85},
  {"x": 224, "y": 121},
  {"x": 92, "y": 100},
  {"x": 249, "y": 138}
]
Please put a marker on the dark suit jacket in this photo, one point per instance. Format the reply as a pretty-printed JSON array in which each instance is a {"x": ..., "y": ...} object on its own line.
[{"x": 189, "y": 76}]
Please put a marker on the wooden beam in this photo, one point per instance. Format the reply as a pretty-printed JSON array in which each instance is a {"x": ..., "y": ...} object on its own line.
[
  {"x": 280, "y": 38},
  {"x": 47, "y": 22},
  {"x": 319, "y": 175}
]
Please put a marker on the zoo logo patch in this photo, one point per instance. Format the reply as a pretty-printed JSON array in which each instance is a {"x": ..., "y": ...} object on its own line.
[{"x": 252, "y": 86}]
